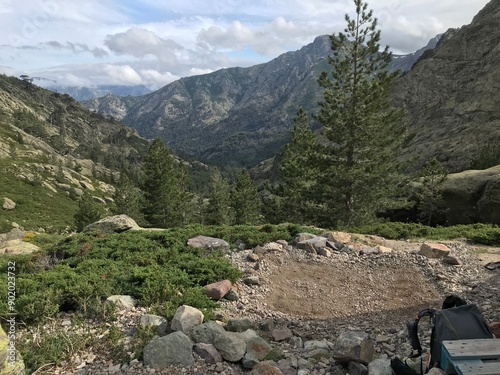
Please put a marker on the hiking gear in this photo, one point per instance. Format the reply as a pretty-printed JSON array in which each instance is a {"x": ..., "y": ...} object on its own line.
[{"x": 456, "y": 321}]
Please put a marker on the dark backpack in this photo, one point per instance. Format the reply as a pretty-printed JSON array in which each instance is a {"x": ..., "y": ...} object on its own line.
[{"x": 456, "y": 321}]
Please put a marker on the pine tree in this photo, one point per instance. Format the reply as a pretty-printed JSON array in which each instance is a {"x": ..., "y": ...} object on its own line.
[
  {"x": 245, "y": 200},
  {"x": 88, "y": 212},
  {"x": 430, "y": 201},
  {"x": 218, "y": 211},
  {"x": 168, "y": 203},
  {"x": 128, "y": 199},
  {"x": 364, "y": 133},
  {"x": 297, "y": 171}
]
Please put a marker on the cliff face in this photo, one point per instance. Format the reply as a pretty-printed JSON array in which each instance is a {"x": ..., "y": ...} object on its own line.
[
  {"x": 451, "y": 95},
  {"x": 236, "y": 116}
]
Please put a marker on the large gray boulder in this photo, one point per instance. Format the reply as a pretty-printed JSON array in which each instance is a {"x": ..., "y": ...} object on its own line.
[
  {"x": 231, "y": 346},
  {"x": 8, "y": 204},
  {"x": 185, "y": 318},
  {"x": 380, "y": 366},
  {"x": 206, "y": 333},
  {"x": 173, "y": 349},
  {"x": 113, "y": 224},
  {"x": 354, "y": 345},
  {"x": 209, "y": 244}
]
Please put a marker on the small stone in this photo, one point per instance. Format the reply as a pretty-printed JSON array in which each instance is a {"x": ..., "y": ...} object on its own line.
[
  {"x": 252, "y": 257},
  {"x": 281, "y": 334},
  {"x": 251, "y": 280},
  {"x": 451, "y": 260}
]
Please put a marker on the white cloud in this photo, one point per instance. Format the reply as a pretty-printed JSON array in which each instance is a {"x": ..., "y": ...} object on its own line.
[
  {"x": 122, "y": 75},
  {"x": 139, "y": 42},
  {"x": 155, "y": 42}
]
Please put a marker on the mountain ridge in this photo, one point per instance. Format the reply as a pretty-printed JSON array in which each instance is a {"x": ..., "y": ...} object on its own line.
[{"x": 235, "y": 116}]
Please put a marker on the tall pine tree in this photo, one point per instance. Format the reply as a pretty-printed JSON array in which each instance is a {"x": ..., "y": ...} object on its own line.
[
  {"x": 297, "y": 173},
  {"x": 364, "y": 133},
  {"x": 218, "y": 211},
  {"x": 245, "y": 200},
  {"x": 128, "y": 199},
  {"x": 168, "y": 200}
]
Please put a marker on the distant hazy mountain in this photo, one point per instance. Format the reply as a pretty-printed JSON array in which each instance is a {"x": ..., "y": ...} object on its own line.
[
  {"x": 237, "y": 116},
  {"x": 81, "y": 93}
]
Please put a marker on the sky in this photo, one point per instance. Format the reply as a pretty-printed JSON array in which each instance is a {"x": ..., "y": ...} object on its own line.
[{"x": 153, "y": 42}]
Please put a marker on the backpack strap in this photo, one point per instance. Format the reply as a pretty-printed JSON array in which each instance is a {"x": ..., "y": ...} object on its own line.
[{"x": 413, "y": 330}]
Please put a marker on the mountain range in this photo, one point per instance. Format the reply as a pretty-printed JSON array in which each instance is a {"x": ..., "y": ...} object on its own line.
[{"x": 235, "y": 116}]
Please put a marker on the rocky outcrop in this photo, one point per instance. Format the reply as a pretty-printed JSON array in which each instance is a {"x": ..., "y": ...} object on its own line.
[
  {"x": 113, "y": 224},
  {"x": 473, "y": 196},
  {"x": 451, "y": 97}
]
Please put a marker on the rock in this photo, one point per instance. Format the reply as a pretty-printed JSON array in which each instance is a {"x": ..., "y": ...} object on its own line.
[
  {"x": 217, "y": 290},
  {"x": 185, "y": 318},
  {"x": 251, "y": 280},
  {"x": 296, "y": 342},
  {"x": 17, "y": 247},
  {"x": 382, "y": 338},
  {"x": 206, "y": 333},
  {"x": 208, "y": 353},
  {"x": 86, "y": 185},
  {"x": 122, "y": 302},
  {"x": 175, "y": 348},
  {"x": 380, "y": 366},
  {"x": 231, "y": 346},
  {"x": 324, "y": 252},
  {"x": 337, "y": 237},
  {"x": 63, "y": 187},
  {"x": 355, "y": 345},
  {"x": 113, "y": 224},
  {"x": 384, "y": 249},
  {"x": 249, "y": 334},
  {"x": 149, "y": 320},
  {"x": 369, "y": 251},
  {"x": 258, "y": 348},
  {"x": 267, "y": 325},
  {"x": 209, "y": 243},
  {"x": 304, "y": 236},
  {"x": 11, "y": 362},
  {"x": 98, "y": 199},
  {"x": 265, "y": 369},
  {"x": 356, "y": 368},
  {"x": 286, "y": 367},
  {"x": 78, "y": 192},
  {"x": 281, "y": 334},
  {"x": 8, "y": 204},
  {"x": 252, "y": 257},
  {"x": 249, "y": 362},
  {"x": 232, "y": 295},
  {"x": 273, "y": 246},
  {"x": 434, "y": 250},
  {"x": 451, "y": 260},
  {"x": 317, "y": 349},
  {"x": 315, "y": 243},
  {"x": 239, "y": 325}
]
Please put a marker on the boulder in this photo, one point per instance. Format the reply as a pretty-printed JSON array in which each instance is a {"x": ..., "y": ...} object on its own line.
[
  {"x": 149, "y": 320},
  {"x": 266, "y": 368},
  {"x": 317, "y": 349},
  {"x": 354, "y": 345},
  {"x": 209, "y": 243},
  {"x": 342, "y": 237},
  {"x": 8, "y": 204},
  {"x": 122, "y": 302},
  {"x": 231, "y": 346},
  {"x": 316, "y": 243},
  {"x": 239, "y": 325},
  {"x": 217, "y": 290},
  {"x": 281, "y": 334},
  {"x": 173, "y": 349},
  {"x": 208, "y": 353},
  {"x": 113, "y": 224},
  {"x": 186, "y": 317},
  {"x": 11, "y": 362},
  {"x": 258, "y": 348},
  {"x": 473, "y": 196},
  {"x": 356, "y": 368},
  {"x": 434, "y": 250},
  {"x": 87, "y": 185},
  {"x": 17, "y": 247},
  {"x": 380, "y": 366},
  {"x": 206, "y": 333}
]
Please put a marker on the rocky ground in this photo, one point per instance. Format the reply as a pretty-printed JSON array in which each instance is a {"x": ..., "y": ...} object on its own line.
[{"x": 318, "y": 297}]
